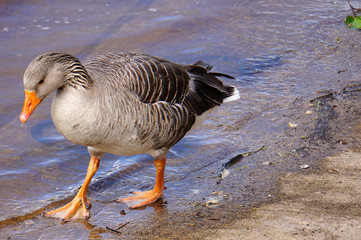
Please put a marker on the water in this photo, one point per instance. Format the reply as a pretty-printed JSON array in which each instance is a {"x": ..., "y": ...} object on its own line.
[{"x": 273, "y": 48}]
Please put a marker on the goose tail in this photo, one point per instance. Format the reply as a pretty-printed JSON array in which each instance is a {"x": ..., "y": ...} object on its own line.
[
  {"x": 232, "y": 94},
  {"x": 206, "y": 90}
]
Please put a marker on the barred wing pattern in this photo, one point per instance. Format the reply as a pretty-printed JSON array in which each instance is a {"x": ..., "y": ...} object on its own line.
[
  {"x": 152, "y": 79},
  {"x": 170, "y": 96},
  {"x": 155, "y": 79}
]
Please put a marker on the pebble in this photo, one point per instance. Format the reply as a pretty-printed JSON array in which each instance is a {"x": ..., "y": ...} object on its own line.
[
  {"x": 305, "y": 166},
  {"x": 29, "y": 222},
  {"x": 292, "y": 125}
]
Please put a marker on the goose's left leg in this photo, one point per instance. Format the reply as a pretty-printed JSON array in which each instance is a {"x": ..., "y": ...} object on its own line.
[{"x": 141, "y": 199}]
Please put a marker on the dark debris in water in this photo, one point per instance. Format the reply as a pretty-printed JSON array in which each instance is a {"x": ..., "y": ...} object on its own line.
[
  {"x": 331, "y": 94},
  {"x": 117, "y": 229},
  {"x": 233, "y": 160}
]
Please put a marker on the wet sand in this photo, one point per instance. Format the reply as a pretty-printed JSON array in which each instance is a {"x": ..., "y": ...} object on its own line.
[
  {"x": 323, "y": 204},
  {"x": 323, "y": 200}
]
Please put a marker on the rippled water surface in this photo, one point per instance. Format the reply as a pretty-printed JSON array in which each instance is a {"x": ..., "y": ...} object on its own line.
[{"x": 264, "y": 44}]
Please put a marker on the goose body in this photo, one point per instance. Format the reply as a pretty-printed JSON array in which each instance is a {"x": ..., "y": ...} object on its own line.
[{"x": 124, "y": 104}]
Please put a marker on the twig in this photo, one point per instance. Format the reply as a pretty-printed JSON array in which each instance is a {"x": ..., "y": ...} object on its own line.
[
  {"x": 113, "y": 230},
  {"x": 121, "y": 226},
  {"x": 353, "y": 9},
  {"x": 356, "y": 86},
  {"x": 323, "y": 96},
  {"x": 234, "y": 160},
  {"x": 332, "y": 94},
  {"x": 116, "y": 230}
]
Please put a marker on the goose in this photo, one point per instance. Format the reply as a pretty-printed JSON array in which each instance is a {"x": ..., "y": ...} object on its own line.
[{"x": 124, "y": 104}]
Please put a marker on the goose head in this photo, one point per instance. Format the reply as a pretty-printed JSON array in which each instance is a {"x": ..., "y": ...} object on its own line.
[{"x": 45, "y": 74}]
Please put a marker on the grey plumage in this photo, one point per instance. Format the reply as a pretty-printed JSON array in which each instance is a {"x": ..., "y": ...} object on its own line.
[{"x": 126, "y": 103}]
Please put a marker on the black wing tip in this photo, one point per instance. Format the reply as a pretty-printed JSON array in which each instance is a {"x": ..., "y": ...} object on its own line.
[
  {"x": 203, "y": 64},
  {"x": 209, "y": 67},
  {"x": 207, "y": 91},
  {"x": 231, "y": 94}
]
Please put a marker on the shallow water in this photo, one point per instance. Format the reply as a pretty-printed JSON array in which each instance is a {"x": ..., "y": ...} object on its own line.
[{"x": 264, "y": 44}]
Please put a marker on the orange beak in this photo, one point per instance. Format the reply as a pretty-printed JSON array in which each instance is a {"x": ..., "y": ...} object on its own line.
[{"x": 30, "y": 103}]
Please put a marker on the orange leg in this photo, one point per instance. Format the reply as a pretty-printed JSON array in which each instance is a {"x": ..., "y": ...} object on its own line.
[
  {"x": 141, "y": 199},
  {"x": 78, "y": 207}
]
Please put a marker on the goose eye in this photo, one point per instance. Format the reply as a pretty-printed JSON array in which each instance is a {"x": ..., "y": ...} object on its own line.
[{"x": 41, "y": 81}]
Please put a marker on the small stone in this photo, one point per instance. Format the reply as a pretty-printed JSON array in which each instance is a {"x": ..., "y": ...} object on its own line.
[
  {"x": 212, "y": 202},
  {"x": 305, "y": 166},
  {"x": 333, "y": 170},
  {"x": 29, "y": 222},
  {"x": 292, "y": 125}
]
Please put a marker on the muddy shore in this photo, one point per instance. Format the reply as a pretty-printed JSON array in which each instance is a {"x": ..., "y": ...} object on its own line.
[{"x": 321, "y": 201}]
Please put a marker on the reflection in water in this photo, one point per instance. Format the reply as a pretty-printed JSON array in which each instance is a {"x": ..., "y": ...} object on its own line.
[
  {"x": 265, "y": 48},
  {"x": 256, "y": 65},
  {"x": 45, "y": 133}
]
